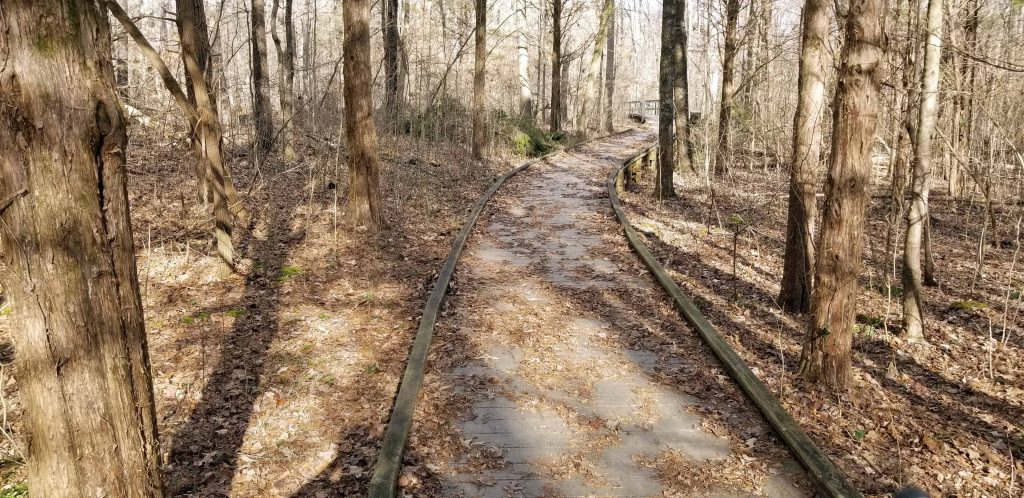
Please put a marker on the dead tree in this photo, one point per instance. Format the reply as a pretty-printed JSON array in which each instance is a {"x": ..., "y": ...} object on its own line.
[{"x": 82, "y": 359}]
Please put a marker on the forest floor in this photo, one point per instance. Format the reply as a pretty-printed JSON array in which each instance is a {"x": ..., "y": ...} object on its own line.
[
  {"x": 279, "y": 382},
  {"x": 944, "y": 415}
]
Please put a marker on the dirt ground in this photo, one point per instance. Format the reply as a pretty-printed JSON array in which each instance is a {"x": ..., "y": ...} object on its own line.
[
  {"x": 278, "y": 382},
  {"x": 944, "y": 415}
]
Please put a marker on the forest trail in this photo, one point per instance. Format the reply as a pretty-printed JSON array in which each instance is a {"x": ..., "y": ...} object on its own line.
[{"x": 574, "y": 376}]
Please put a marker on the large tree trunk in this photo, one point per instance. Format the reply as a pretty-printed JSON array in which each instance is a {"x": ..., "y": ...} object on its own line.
[
  {"x": 732, "y": 13},
  {"x": 583, "y": 119},
  {"x": 364, "y": 204},
  {"x": 286, "y": 77},
  {"x": 82, "y": 360},
  {"x": 525, "y": 93},
  {"x": 556, "y": 65},
  {"x": 609, "y": 75},
  {"x": 670, "y": 47},
  {"x": 917, "y": 216},
  {"x": 263, "y": 118},
  {"x": 480, "y": 82},
  {"x": 826, "y": 351},
  {"x": 681, "y": 92},
  {"x": 795, "y": 294}
]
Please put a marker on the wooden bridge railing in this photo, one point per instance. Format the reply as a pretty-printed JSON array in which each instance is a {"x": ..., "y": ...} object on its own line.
[{"x": 642, "y": 110}]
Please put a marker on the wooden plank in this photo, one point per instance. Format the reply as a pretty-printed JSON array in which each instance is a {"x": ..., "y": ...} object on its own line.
[{"x": 829, "y": 479}]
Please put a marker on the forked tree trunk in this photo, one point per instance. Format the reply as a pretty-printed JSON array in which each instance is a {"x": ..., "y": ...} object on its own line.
[
  {"x": 525, "y": 93},
  {"x": 825, "y": 357},
  {"x": 263, "y": 117},
  {"x": 583, "y": 119},
  {"x": 732, "y": 13},
  {"x": 795, "y": 293},
  {"x": 286, "y": 77},
  {"x": 681, "y": 92},
  {"x": 364, "y": 204},
  {"x": 917, "y": 216},
  {"x": 82, "y": 360},
  {"x": 556, "y": 65},
  {"x": 670, "y": 20},
  {"x": 609, "y": 75}
]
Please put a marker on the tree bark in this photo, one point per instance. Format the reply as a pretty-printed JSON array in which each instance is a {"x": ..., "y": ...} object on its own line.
[
  {"x": 826, "y": 356},
  {"x": 480, "y": 82},
  {"x": 525, "y": 93},
  {"x": 392, "y": 41},
  {"x": 364, "y": 203},
  {"x": 681, "y": 91},
  {"x": 208, "y": 134},
  {"x": 556, "y": 65},
  {"x": 263, "y": 118},
  {"x": 204, "y": 191},
  {"x": 917, "y": 216},
  {"x": 670, "y": 19},
  {"x": 590, "y": 85},
  {"x": 795, "y": 293},
  {"x": 609, "y": 74},
  {"x": 732, "y": 12},
  {"x": 82, "y": 359},
  {"x": 286, "y": 77}
]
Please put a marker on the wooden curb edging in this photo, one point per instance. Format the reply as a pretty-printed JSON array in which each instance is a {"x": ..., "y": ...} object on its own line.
[
  {"x": 384, "y": 482},
  {"x": 829, "y": 479}
]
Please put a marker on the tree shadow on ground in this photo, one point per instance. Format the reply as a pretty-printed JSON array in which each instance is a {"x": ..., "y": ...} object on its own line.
[{"x": 204, "y": 453}]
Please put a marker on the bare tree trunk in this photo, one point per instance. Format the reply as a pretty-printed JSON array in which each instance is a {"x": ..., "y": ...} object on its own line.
[
  {"x": 590, "y": 85},
  {"x": 732, "y": 12},
  {"x": 917, "y": 216},
  {"x": 480, "y": 82},
  {"x": 609, "y": 74},
  {"x": 795, "y": 294},
  {"x": 670, "y": 49},
  {"x": 392, "y": 41},
  {"x": 208, "y": 131},
  {"x": 364, "y": 203},
  {"x": 826, "y": 356},
  {"x": 263, "y": 118},
  {"x": 541, "y": 73},
  {"x": 286, "y": 77},
  {"x": 82, "y": 360},
  {"x": 556, "y": 65},
  {"x": 681, "y": 92},
  {"x": 525, "y": 93},
  {"x": 204, "y": 190}
]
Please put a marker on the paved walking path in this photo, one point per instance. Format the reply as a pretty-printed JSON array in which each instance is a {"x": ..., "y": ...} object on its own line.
[{"x": 570, "y": 384}]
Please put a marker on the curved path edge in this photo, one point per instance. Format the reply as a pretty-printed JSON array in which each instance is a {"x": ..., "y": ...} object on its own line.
[
  {"x": 384, "y": 482},
  {"x": 829, "y": 479}
]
